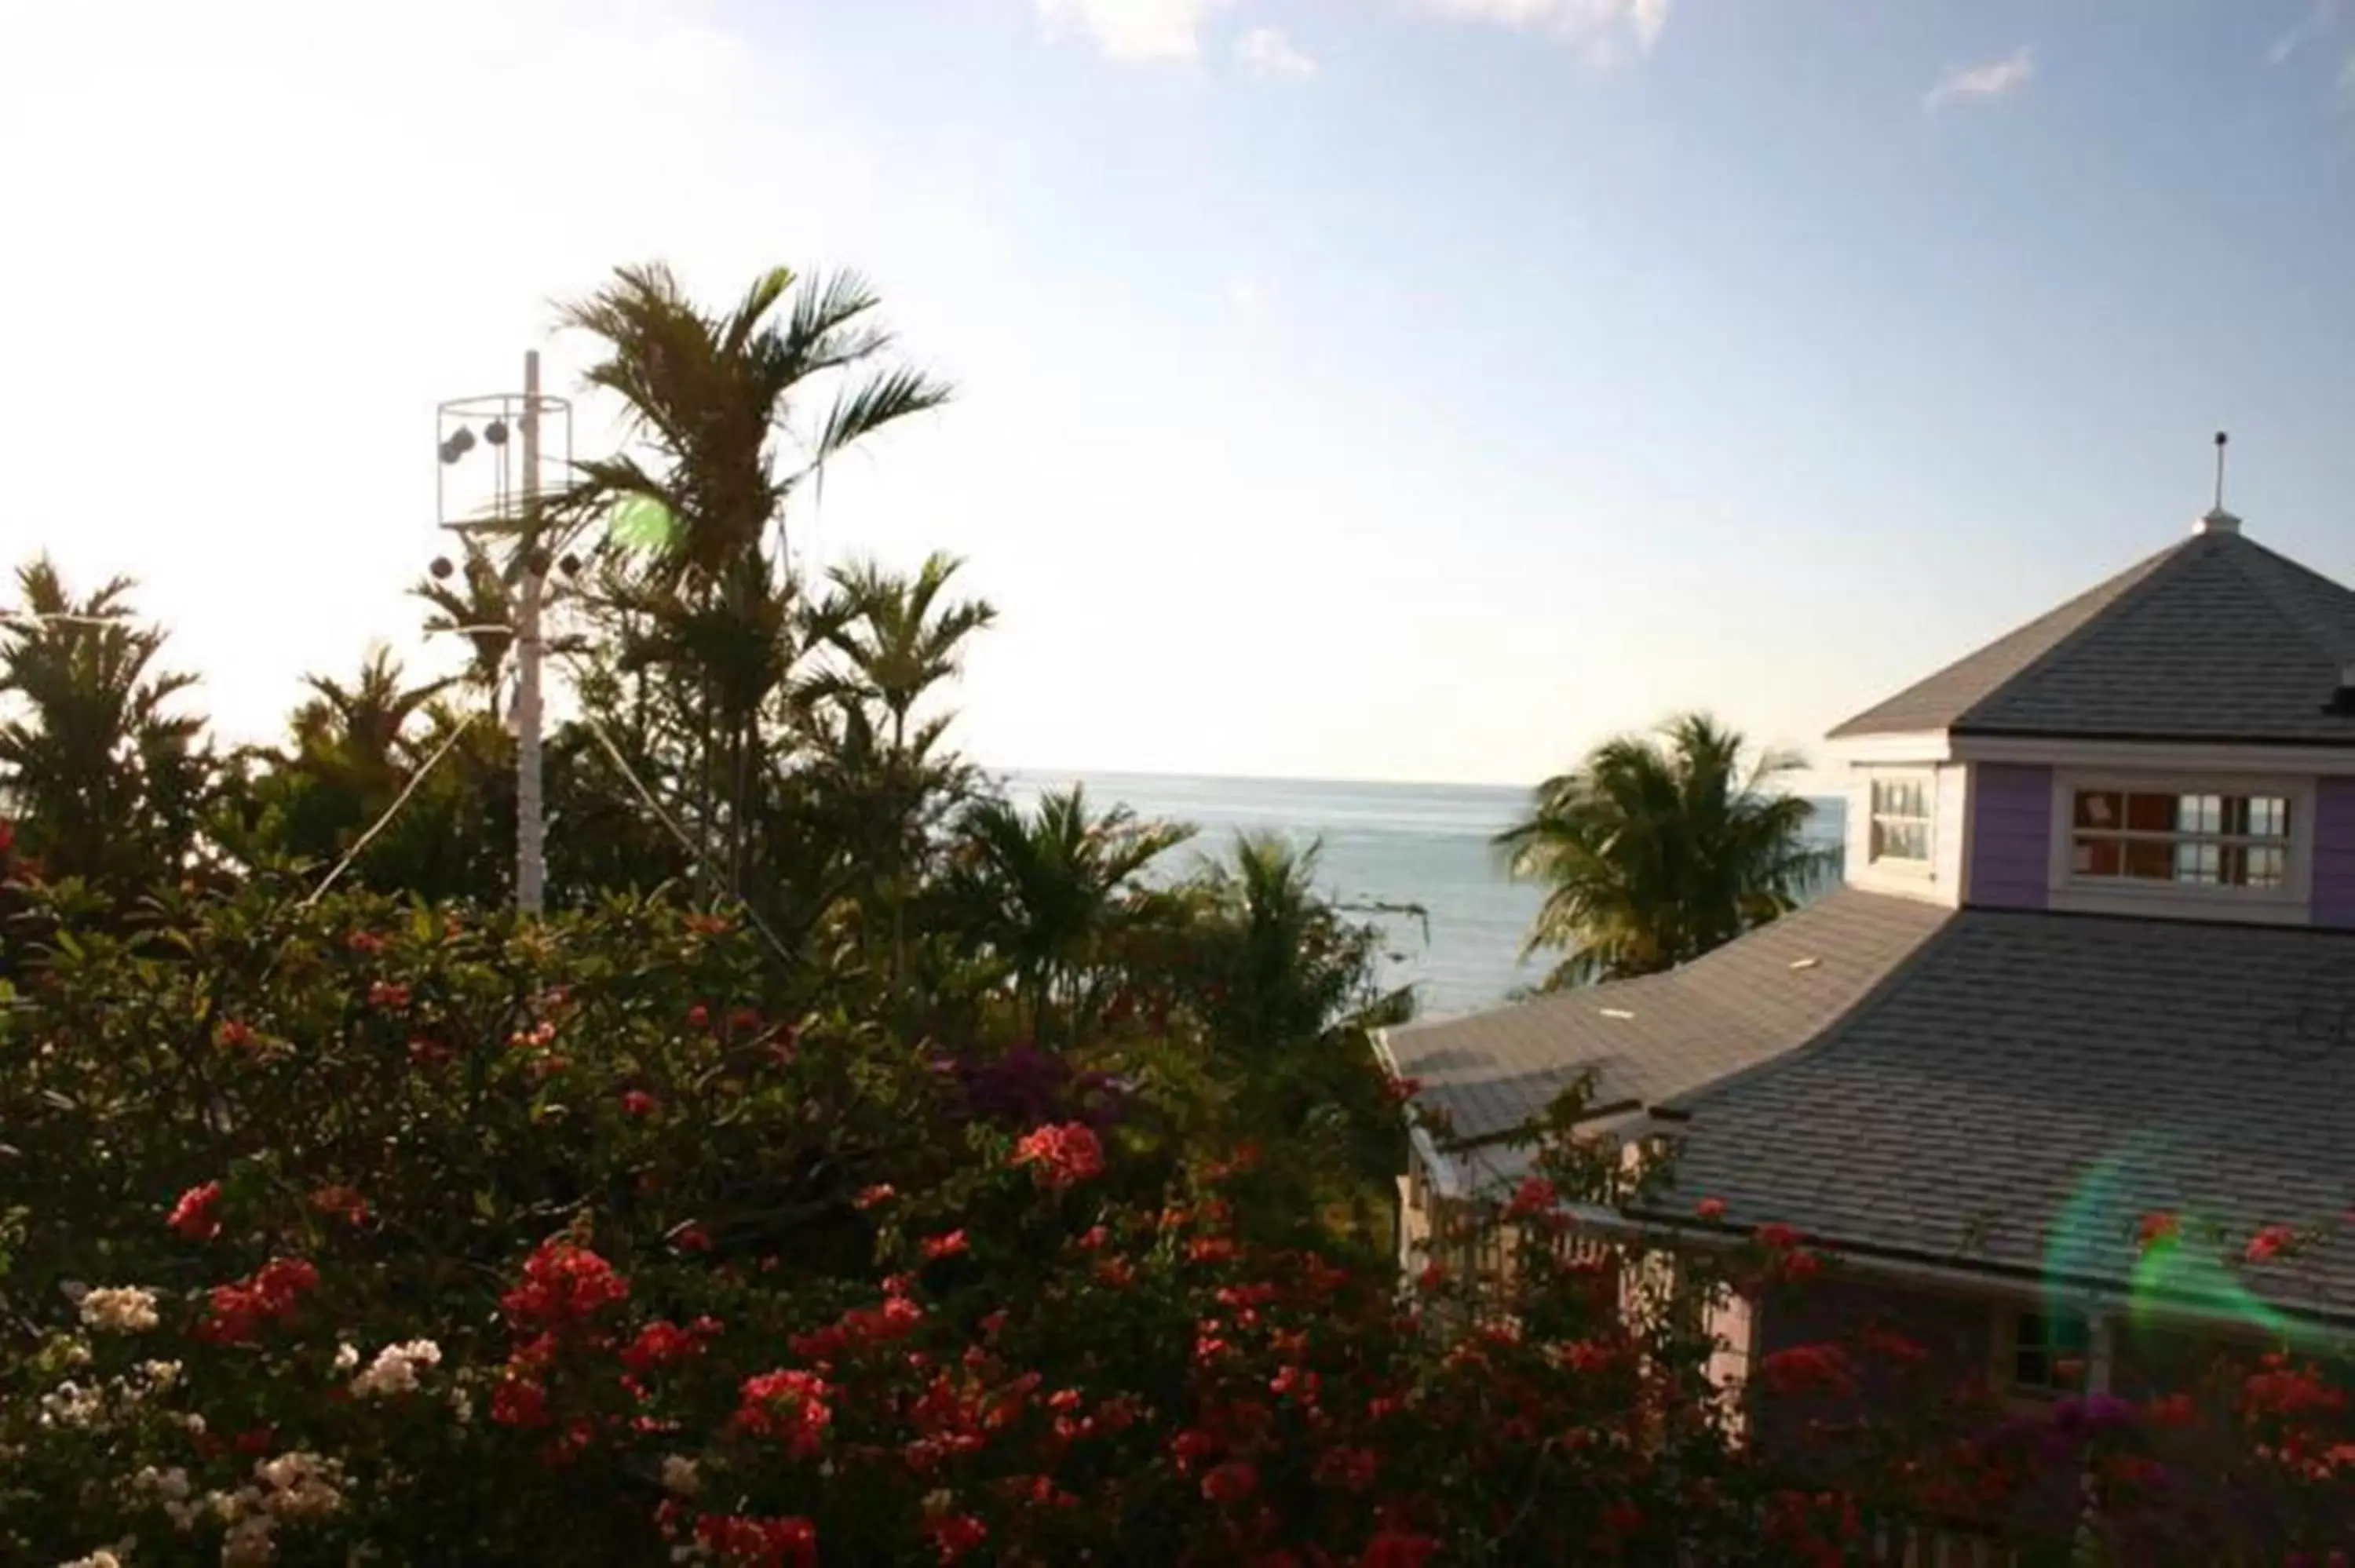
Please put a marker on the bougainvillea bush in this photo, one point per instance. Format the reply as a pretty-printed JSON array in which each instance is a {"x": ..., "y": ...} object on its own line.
[{"x": 362, "y": 1233}]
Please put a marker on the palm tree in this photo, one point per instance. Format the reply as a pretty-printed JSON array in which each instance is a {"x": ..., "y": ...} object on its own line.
[
  {"x": 479, "y": 606},
  {"x": 1652, "y": 853},
  {"x": 712, "y": 397},
  {"x": 108, "y": 785},
  {"x": 898, "y": 639},
  {"x": 1053, "y": 893},
  {"x": 1282, "y": 967}
]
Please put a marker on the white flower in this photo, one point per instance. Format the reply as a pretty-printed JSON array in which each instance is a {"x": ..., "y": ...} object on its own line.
[
  {"x": 194, "y": 1422},
  {"x": 171, "y": 1485},
  {"x": 71, "y": 1404},
  {"x": 120, "y": 1309},
  {"x": 394, "y": 1370},
  {"x": 160, "y": 1375},
  {"x": 680, "y": 1477},
  {"x": 346, "y": 1357},
  {"x": 102, "y": 1558},
  {"x": 248, "y": 1542},
  {"x": 299, "y": 1486}
]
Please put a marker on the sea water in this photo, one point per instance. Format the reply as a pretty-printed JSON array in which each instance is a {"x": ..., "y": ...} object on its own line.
[{"x": 1383, "y": 847}]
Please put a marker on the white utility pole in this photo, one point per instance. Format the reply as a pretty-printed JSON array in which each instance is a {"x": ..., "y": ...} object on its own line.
[{"x": 530, "y": 830}]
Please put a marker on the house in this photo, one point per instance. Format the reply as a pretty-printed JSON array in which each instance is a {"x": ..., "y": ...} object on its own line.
[{"x": 2093, "y": 959}]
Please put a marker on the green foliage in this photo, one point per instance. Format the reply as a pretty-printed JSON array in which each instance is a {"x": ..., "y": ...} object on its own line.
[{"x": 1654, "y": 853}]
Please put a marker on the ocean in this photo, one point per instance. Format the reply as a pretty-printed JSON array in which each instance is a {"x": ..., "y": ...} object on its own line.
[{"x": 1383, "y": 844}]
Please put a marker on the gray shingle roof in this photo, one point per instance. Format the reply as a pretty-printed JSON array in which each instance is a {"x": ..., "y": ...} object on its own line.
[
  {"x": 2216, "y": 637},
  {"x": 2030, "y": 1085},
  {"x": 1494, "y": 1071}
]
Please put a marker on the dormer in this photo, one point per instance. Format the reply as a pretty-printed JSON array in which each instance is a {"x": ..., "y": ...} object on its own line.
[{"x": 2177, "y": 742}]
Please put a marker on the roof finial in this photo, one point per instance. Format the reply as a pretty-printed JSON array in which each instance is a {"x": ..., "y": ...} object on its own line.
[{"x": 2218, "y": 520}]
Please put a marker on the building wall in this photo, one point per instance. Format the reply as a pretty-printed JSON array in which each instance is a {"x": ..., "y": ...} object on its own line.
[
  {"x": 1938, "y": 880},
  {"x": 2012, "y": 837},
  {"x": 2334, "y": 852}
]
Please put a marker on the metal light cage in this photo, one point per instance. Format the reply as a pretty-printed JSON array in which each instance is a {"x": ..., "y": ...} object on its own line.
[{"x": 475, "y": 434}]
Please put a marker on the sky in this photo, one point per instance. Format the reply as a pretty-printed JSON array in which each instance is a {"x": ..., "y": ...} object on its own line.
[{"x": 1400, "y": 389}]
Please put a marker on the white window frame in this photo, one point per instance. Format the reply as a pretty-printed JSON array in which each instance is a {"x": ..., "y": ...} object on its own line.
[
  {"x": 1927, "y": 778},
  {"x": 2118, "y": 894}
]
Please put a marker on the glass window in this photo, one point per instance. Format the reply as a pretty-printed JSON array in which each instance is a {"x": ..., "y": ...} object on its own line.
[
  {"x": 2042, "y": 1345},
  {"x": 2194, "y": 840},
  {"x": 1901, "y": 819}
]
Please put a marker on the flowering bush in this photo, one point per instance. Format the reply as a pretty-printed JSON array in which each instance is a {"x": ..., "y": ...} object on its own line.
[{"x": 363, "y": 1233}]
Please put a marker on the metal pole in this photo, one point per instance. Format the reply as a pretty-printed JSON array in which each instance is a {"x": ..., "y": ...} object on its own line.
[{"x": 530, "y": 867}]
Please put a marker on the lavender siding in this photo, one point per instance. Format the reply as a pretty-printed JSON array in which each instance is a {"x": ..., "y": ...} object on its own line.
[
  {"x": 2334, "y": 852},
  {"x": 2012, "y": 837}
]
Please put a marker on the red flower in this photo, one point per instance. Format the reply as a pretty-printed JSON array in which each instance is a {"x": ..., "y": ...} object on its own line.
[
  {"x": 663, "y": 1343},
  {"x": 1401, "y": 1090},
  {"x": 691, "y": 1238},
  {"x": 744, "y": 1019},
  {"x": 2269, "y": 1243},
  {"x": 1062, "y": 1156},
  {"x": 341, "y": 1201},
  {"x": 1777, "y": 1236},
  {"x": 1535, "y": 1196},
  {"x": 699, "y": 1016},
  {"x": 1623, "y": 1516},
  {"x": 1710, "y": 1208},
  {"x": 789, "y": 1406},
  {"x": 637, "y": 1102},
  {"x": 1398, "y": 1549},
  {"x": 2155, "y": 1227},
  {"x": 234, "y": 1032},
  {"x": 2171, "y": 1410},
  {"x": 956, "y": 1535},
  {"x": 881, "y": 1192},
  {"x": 254, "y": 1440},
  {"x": 1809, "y": 1367},
  {"x": 563, "y": 1284},
  {"x": 365, "y": 942},
  {"x": 8, "y": 837},
  {"x": 950, "y": 1245},
  {"x": 1231, "y": 1482},
  {"x": 388, "y": 994},
  {"x": 240, "y": 1310},
  {"x": 519, "y": 1401},
  {"x": 192, "y": 1216},
  {"x": 759, "y": 1542}
]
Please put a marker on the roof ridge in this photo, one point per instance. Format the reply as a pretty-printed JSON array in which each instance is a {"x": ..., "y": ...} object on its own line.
[
  {"x": 2265, "y": 571},
  {"x": 2085, "y": 607},
  {"x": 2143, "y": 577},
  {"x": 1871, "y": 998}
]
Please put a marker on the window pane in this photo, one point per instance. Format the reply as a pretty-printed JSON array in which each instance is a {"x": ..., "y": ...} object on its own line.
[
  {"x": 2151, "y": 860},
  {"x": 2154, "y": 814},
  {"x": 2096, "y": 857},
  {"x": 2267, "y": 867},
  {"x": 2098, "y": 808},
  {"x": 2268, "y": 817},
  {"x": 2199, "y": 862}
]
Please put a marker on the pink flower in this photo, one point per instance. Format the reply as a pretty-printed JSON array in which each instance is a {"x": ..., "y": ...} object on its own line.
[
  {"x": 637, "y": 1102},
  {"x": 2269, "y": 1243},
  {"x": 949, "y": 1245},
  {"x": 1061, "y": 1156},
  {"x": 1710, "y": 1208},
  {"x": 881, "y": 1192},
  {"x": 788, "y": 1405}
]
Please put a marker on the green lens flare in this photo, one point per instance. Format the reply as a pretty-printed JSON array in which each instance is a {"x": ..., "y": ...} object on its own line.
[
  {"x": 2097, "y": 1234},
  {"x": 640, "y": 523}
]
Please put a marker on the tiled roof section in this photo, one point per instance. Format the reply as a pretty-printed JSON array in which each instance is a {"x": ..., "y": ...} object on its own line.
[
  {"x": 2031, "y": 1085},
  {"x": 1763, "y": 993},
  {"x": 2216, "y": 639},
  {"x": 1937, "y": 702}
]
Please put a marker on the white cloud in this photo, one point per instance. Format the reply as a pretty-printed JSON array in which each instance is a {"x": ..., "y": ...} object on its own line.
[
  {"x": 2319, "y": 21},
  {"x": 1134, "y": 29},
  {"x": 1267, "y": 52},
  {"x": 1602, "y": 30},
  {"x": 1985, "y": 83},
  {"x": 1245, "y": 293}
]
